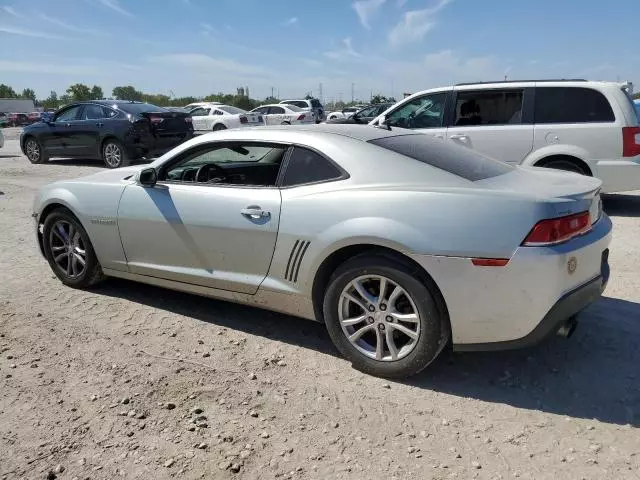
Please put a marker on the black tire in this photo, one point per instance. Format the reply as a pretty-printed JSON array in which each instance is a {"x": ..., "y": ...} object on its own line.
[
  {"x": 285, "y": 123},
  {"x": 432, "y": 337},
  {"x": 91, "y": 272},
  {"x": 34, "y": 151},
  {"x": 218, "y": 126},
  {"x": 114, "y": 155},
  {"x": 565, "y": 165}
]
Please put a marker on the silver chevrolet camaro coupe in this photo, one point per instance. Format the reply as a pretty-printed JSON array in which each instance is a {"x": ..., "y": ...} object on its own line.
[{"x": 399, "y": 244}]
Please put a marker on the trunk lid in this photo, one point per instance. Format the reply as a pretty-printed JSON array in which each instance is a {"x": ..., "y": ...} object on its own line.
[{"x": 166, "y": 123}]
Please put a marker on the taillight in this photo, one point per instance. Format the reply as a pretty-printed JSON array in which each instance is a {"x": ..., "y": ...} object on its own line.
[
  {"x": 244, "y": 120},
  {"x": 301, "y": 117},
  {"x": 187, "y": 119},
  {"x": 156, "y": 120},
  {"x": 630, "y": 141},
  {"x": 558, "y": 230}
]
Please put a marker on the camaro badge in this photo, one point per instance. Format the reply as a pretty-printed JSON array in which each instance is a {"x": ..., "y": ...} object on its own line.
[{"x": 572, "y": 264}]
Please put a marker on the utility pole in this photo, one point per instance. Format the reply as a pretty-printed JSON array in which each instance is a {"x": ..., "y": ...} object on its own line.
[
  {"x": 272, "y": 88},
  {"x": 320, "y": 93},
  {"x": 353, "y": 86}
]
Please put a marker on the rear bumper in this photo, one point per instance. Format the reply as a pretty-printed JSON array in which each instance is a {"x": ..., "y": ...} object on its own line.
[
  {"x": 507, "y": 305},
  {"x": 149, "y": 146},
  {"x": 618, "y": 175},
  {"x": 569, "y": 305}
]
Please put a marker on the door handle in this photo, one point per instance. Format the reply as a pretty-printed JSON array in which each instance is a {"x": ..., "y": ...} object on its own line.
[
  {"x": 255, "y": 213},
  {"x": 458, "y": 136},
  {"x": 99, "y": 124}
]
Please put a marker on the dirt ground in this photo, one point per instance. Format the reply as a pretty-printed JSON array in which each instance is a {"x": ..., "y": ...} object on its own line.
[{"x": 133, "y": 381}]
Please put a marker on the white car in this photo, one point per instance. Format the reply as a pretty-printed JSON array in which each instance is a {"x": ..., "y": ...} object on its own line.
[
  {"x": 221, "y": 117},
  {"x": 191, "y": 106},
  {"x": 313, "y": 105},
  {"x": 576, "y": 125},
  {"x": 1, "y": 139},
  {"x": 281, "y": 114}
]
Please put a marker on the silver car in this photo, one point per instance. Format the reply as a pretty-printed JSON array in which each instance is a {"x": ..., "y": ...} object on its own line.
[{"x": 399, "y": 244}]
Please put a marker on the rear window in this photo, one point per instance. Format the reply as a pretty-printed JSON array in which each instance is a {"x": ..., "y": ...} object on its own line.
[
  {"x": 232, "y": 110},
  {"x": 136, "y": 108},
  {"x": 571, "y": 105},
  {"x": 459, "y": 161}
]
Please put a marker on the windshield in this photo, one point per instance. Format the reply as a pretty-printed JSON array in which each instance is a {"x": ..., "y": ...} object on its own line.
[
  {"x": 232, "y": 110},
  {"x": 136, "y": 108},
  {"x": 459, "y": 161}
]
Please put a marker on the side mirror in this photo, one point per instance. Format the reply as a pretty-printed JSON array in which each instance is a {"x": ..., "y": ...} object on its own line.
[{"x": 148, "y": 177}]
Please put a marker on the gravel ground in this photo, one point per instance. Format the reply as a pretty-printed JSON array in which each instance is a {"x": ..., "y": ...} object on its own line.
[{"x": 135, "y": 381}]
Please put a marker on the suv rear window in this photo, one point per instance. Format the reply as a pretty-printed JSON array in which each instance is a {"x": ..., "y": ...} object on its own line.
[
  {"x": 571, "y": 105},
  {"x": 459, "y": 161}
]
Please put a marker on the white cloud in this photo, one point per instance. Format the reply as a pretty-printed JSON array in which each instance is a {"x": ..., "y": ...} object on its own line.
[
  {"x": 27, "y": 33},
  {"x": 207, "y": 29},
  {"x": 401, "y": 3},
  {"x": 415, "y": 24},
  {"x": 346, "y": 51},
  {"x": 291, "y": 21},
  {"x": 206, "y": 64},
  {"x": 67, "y": 26},
  {"x": 115, "y": 6},
  {"x": 12, "y": 11},
  {"x": 366, "y": 10}
]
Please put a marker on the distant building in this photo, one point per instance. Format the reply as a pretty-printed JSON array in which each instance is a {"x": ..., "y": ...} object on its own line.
[{"x": 15, "y": 105}]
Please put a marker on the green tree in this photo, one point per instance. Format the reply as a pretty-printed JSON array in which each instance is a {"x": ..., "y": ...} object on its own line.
[
  {"x": 382, "y": 99},
  {"x": 635, "y": 95},
  {"x": 127, "y": 93},
  {"x": 7, "y": 92},
  {"x": 29, "y": 93},
  {"x": 51, "y": 102},
  {"x": 156, "y": 99},
  {"x": 271, "y": 99},
  {"x": 79, "y": 92},
  {"x": 96, "y": 93}
]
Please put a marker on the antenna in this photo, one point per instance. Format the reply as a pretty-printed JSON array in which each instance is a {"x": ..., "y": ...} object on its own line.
[{"x": 353, "y": 85}]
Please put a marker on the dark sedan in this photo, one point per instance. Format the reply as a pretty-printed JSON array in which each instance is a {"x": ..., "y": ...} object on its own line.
[
  {"x": 115, "y": 131},
  {"x": 364, "y": 115}
]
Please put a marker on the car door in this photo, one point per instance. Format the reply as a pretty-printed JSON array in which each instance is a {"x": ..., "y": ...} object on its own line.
[
  {"x": 425, "y": 113},
  {"x": 215, "y": 233},
  {"x": 494, "y": 122},
  {"x": 89, "y": 129},
  {"x": 198, "y": 117},
  {"x": 58, "y": 138},
  {"x": 277, "y": 116}
]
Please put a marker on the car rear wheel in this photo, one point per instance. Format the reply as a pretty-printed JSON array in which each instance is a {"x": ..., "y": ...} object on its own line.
[
  {"x": 114, "y": 155},
  {"x": 565, "y": 165},
  {"x": 285, "y": 123},
  {"x": 34, "y": 151},
  {"x": 218, "y": 127},
  {"x": 69, "y": 250},
  {"x": 382, "y": 318}
]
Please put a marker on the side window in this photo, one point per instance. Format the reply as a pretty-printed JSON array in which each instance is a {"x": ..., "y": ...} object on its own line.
[
  {"x": 276, "y": 110},
  {"x": 571, "y": 105},
  {"x": 368, "y": 112},
  {"x": 95, "y": 112},
  {"x": 489, "y": 107},
  {"x": 306, "y": 166},
  {"x": 199, "y": 112},
  {"x": 69, "y": 114},
  {"x": 250, "y": 164},
  {"x": 422, "y": 112},
  {"x": 218, "y": 112},
  {"x": 262, "y": 110}
]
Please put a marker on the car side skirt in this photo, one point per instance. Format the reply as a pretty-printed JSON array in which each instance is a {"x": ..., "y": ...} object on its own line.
[{"x": 287, "y": 303}]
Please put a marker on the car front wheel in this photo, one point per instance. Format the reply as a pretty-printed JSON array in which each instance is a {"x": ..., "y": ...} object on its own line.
[
  {"x": 382, "y": 318},
  {"x": 34, "y": 151},
  {"x": 69, "y": 251}
]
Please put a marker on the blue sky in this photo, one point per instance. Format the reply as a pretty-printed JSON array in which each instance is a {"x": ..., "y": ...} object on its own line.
[{"x": 196, "y": 47}]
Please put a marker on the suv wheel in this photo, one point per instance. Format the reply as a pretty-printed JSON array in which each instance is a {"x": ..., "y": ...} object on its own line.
[
  {"x": 565, "y": 165},
  {"x": 34, "y": 151},
  {"x": 382, "y": 318}
]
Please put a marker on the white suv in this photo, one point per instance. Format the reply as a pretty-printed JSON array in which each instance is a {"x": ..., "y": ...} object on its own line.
[{"x": 577, "y": 125}]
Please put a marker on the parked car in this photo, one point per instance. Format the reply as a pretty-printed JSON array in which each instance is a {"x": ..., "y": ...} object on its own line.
[
  {"x": 178, "y": 109},
  {"x": 281, "y": 114},
  {"x": 4, "y": 120},
  {"x": 362, "y": 116},
  {"x": 312, "y": 105},
  {"x": 636, "y": 103},
  {"x": 117, "y": 131},
  {"x": 47, "y": 115},
  {"x": 34, "y": 117},
  {"x": 221, "y": 117},
  {"x": 17, "y": 119},
  {"x": 1, "y": 139},
  {"x": 345, "y": 112},
  {"x": 577, "y": 125},
  {"x": 396, "y": 242},
  {"x": 191, "y": 106}
]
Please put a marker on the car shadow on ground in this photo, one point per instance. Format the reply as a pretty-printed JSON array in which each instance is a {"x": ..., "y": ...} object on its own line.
[
  {"x": 620, "y": 205},
  {"x": 7, "y": 156},
  {"x": 593, "y": 375}
]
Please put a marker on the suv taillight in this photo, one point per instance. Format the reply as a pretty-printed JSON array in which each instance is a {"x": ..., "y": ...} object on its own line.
[
  {"x": 630, "y": 141},
  {"x": 558, "y": 230}
]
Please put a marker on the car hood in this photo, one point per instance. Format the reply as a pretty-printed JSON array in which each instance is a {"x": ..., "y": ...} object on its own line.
[{"x": 112, "y": 176}]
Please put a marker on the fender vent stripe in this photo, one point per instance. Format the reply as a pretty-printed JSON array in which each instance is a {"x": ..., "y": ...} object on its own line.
[{"x": 295, "y": 260}]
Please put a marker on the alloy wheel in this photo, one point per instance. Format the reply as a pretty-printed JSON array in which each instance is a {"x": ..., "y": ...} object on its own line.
[
  {"x": 112, "y": 154},
  {"x": 68, "y": 249},
  {"x": 379, "y": 318},
  {"x": 33, "y": 151}
]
